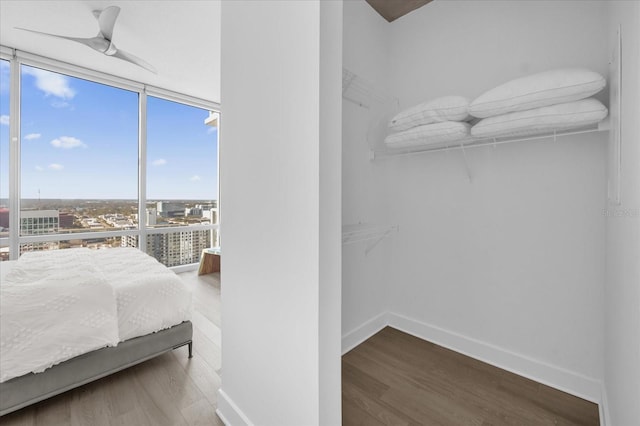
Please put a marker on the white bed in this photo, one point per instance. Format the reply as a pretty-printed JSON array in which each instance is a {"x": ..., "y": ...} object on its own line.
[{"x": 57, "y": 305}]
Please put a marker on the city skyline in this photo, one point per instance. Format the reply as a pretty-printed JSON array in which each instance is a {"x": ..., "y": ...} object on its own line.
[{"x": 80, "y": 141}]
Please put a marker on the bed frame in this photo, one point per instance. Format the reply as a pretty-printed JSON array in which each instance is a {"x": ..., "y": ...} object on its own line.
[{"x": 31, "y": 388}]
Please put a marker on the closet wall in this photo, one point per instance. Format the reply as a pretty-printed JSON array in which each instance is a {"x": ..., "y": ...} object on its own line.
[
  {"x": 364, "y": 276},
  {"x": 514, "y": 261},
  {"x": 509, "y": 267}
]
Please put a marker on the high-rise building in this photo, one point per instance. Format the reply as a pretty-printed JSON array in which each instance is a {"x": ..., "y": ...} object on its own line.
[
  {"x": 66, "y": 220},
  {"x": 180, "y": 247},
  {"x": 39, "y": 222},
  {"x": 193, "y": 211},
  {"x": 211, "y": 214},
  {"x": 168, "y": 209},
  {"x": 152, "y": 216},
  {"x": 4, "y": 218}
]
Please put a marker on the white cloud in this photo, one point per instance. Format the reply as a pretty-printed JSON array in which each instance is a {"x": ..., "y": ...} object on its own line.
[
  {"x": 4, "y": 120},
  {"x": 212, "y": 130},
  {"x": 55, "y": 166},
  {"x": 67, "y": 142},
  {"x": 32, "y": 136},
  {"x": 39, "y": 168},
  {"x": 159, "y": 162},
  {"x": 51, "y": 83},
  {"x": 194, "y": 178}
]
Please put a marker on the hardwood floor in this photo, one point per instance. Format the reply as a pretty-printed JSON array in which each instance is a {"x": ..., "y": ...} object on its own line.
[
  {"x": 168, "y": 390},
  {"x": 396, "y": 379},
  {"x": 391, "y": 379}
]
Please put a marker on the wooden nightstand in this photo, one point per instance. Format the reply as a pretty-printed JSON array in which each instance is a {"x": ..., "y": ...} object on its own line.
[{"x": 209, "y": 261}]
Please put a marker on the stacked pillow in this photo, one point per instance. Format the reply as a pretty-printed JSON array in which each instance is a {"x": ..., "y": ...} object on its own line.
[
  {"x": 552, "y": 100},
  {"x": 437, "y": 122}
]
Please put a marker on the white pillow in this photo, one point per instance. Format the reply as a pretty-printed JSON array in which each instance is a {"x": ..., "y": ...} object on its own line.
[
  {"x": 430, "y": 134},
  {"x": 446, "y": 108},
  {"x": 538, "y": 90},
  {"x": 540, "y": 120}
]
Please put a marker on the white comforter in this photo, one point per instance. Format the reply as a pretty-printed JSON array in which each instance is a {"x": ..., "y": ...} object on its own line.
[
  {"x": 53, "y": 309},
  {"x": 56, "y": 305},
  {"x": 150, "y": 297}
]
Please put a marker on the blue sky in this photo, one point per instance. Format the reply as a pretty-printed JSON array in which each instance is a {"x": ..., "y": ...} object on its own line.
[{"x": 80, "y": 140}]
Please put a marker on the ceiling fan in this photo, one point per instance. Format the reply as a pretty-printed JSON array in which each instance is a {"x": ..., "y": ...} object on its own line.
[{"x": 103, "y": 41}]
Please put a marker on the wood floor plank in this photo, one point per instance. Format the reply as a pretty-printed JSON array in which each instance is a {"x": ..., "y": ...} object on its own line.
[
  {"x": 135, "y": 417},
  {"x": 207, "y": 328},
  {"x": 201, "y": 413},
  {"x": 174, "y": 383},
  {"x": 202, "y": 374},
  {"x": 354, "y": 415},
  {"x": 52, "y": 413},
  {"x": 374, "y": 407},
  {"x": 206, "y": 349},
  {"x": 121, "y": 397},
  {"x": 154, "y": 405},
  {"x": 412, "y": 394},
  {"x": 434, "y": 385},
  {"x": 88, "y": 405},
  {"x": 354, "y": 376}
]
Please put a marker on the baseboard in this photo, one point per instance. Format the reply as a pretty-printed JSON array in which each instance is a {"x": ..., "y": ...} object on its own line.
[
  {"x": 222, "y": 417},
  {"x": 229, "y": 412},
  {"x": 559, "y": 378},
  {"x": 362, "y": 333}
]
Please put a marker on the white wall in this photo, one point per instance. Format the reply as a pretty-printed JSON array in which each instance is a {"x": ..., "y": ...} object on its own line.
[
  {"x": 622, "y": 343},
  {"x": 510, "y": 267},
  {"x": 277, "y": 177},
  {"x": 330, "y": 206},
  {"x": 364, "y": 277}
]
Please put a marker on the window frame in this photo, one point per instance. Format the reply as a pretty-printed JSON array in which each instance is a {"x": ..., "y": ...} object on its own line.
[{"x": 18, "y": 58}]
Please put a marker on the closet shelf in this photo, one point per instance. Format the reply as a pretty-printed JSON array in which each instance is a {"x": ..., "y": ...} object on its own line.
[
  {"x": 372, "y": 233},
  {"x": 389, "y": 153}
]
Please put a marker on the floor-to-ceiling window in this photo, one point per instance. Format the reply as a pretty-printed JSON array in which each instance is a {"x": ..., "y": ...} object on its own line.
[
  {"x": 87, "y": 176},
  {"x": 182, "y": 181},
  {"x": 78, "y": 160}
]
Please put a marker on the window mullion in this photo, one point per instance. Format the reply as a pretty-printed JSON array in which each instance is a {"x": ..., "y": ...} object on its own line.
[
  {"x": 14, "y": 160},
  {"x": 142, "y": 170}
]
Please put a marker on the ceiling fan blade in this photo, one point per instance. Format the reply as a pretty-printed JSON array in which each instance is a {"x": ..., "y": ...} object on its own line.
[
  {"x": 107, "y": 20},
  {"x": 134, "y": 60},
  {"x": 90, "y": 42}
]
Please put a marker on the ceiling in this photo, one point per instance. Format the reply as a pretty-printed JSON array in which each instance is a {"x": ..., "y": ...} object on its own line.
[
  {"x": 394, "y": 9},
  {"x": 181, "y": 39}
]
